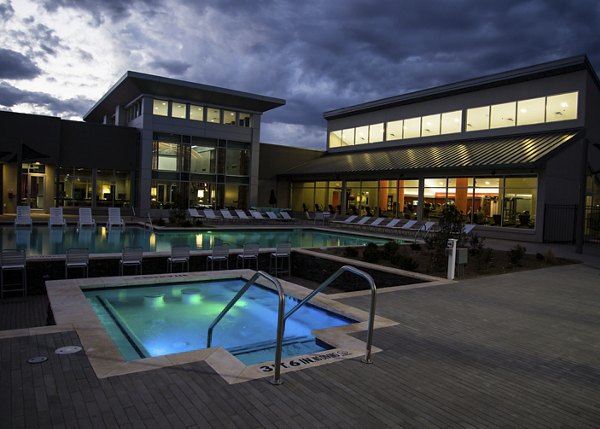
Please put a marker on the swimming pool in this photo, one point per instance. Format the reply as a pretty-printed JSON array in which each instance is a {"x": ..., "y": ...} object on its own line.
[
  {"x": 42, "y": 241},
  {"x": 160, "y": 320}
]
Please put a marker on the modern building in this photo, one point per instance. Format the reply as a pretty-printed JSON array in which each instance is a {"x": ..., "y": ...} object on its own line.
[
  {"x": 149, "y": 143},
  {"x": 516, "y": 152}
]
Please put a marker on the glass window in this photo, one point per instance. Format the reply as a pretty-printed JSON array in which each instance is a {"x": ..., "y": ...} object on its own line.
[
  {"x": 178, "y": 110},
  {"x": 74, "y": 187},
  {"x": 412, "y": 128},
  {"x": 213, "y": 115},
  {"x": 112, "y": 188},
  {"x": 452, "y": 122},
  {"x": 561, "y": 107},
  {"x": 201, "y": 194},
  {"x": 362, "y": 135},
  {"x": 161, "y": 107},
  {"x": 503, "y": 115},
  {"x": 335, "y": 138},
  {"x": 519, "y": 201},
  {"x": 203, "y": 158},
  {"x": 244, "y": 120},
  {"x": 196, "y": 113},
  {"x": 348, "y": 137},
  {"x": 228, "y": 117},
  {"x": 376, "y": 133},
  {"x": 408, "y": 198},
  {"x": 303, "y": 196},
  {"x": 237, "y": 162},
  {"x": 394, "y": 130},
  {"x": 167, "y": 156},
  {"x": 478, "y": 118},
  {"x": 430, "y": 125},
  {"x": 531, "y": 111}
]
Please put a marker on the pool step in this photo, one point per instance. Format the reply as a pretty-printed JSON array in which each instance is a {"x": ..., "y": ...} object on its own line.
[{"x": 264, "y": 345}]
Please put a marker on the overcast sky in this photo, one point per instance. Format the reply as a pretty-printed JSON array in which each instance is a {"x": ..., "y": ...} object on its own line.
[{"x": 57, "y": 57}]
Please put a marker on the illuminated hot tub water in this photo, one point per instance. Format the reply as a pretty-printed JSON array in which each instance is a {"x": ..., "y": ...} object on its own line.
[{"x": 151, "y": 321}]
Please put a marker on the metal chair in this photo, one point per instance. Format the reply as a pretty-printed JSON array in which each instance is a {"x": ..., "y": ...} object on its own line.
[
  {"x": 179, "y": 255},
  {"x": 132, "y": 257},
  {"x": 78, "y": 259},
  {"x": 13, "y": 260},
  {"x": 282, "y": 253},
  {"x": 219, "y": 254},
  {"x": 249, "y": 253}
]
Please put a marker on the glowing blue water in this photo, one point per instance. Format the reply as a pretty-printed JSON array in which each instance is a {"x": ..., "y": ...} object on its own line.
[{"x": 161, "y": 320}]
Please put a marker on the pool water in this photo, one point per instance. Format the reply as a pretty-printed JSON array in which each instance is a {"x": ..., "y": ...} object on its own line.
[
  {"x": 41, "y": 240},
  {"x": 160, "y": 320}
]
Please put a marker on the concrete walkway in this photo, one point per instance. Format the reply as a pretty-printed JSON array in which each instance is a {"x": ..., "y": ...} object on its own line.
[{"x": 514, "y": 350}]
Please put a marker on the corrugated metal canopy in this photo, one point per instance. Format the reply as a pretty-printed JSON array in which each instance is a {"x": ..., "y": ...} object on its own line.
[{"x": 523, "y": 151}]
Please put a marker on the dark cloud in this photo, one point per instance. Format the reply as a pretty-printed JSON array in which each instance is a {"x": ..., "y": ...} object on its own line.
[
  {"x": 11, "y": 96},
  {"x": 101, "y": 11},
  {"x": 171, "y": 67},
  {"x": 6, "y": 11},
  {"x": 14, "y": 65}
]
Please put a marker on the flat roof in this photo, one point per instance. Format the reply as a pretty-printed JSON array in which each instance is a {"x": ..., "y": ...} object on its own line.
[
  {"x": 133, "y": 84},
  {"x": 497, "y": 152},
  {"x": 552, "y": 68}
]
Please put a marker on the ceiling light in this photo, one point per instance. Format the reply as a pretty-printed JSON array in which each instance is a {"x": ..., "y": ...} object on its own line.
[
  {"x": 523, "y": 110},
  {"x": 564, "y": 104}
]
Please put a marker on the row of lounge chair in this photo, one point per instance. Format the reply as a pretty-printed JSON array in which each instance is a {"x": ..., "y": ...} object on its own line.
[
  {"x": 240, "y": 215},
  {"x": 57, "y": 218}
]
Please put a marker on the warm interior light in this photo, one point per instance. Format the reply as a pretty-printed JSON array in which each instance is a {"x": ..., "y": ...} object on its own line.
[
  {"x": 564, "y": 104},
  {"x": 153, "y": 192},
  {"x": 200, "y": 193}
]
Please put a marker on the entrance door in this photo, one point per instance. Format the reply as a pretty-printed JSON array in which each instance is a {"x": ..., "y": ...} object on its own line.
[{"x": 33, "y": 190}]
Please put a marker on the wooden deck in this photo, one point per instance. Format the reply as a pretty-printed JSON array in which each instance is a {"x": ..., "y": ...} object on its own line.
[{"x": 517, "y": 350}]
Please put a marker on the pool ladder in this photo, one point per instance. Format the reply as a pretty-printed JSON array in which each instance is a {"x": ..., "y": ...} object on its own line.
[{"x": 281, "y": 317}]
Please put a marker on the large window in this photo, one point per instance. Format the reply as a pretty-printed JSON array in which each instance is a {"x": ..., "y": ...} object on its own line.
[
  {"x": 478, "y": 118},
  {"x": 503, "y": 115},
  {"x": 196, "y": 113},
  {"x": 531, "y": 111},
  {"x": 213, "y": 115},
  {"x": 412, "y": 128},
  {"x": 244, "y": 120},
  {"x": 161, "y": 107},
  {"x": 452, "y": 122},
  {"x": 362, "y": 135},
  {"x": 394, "y": 130},
  {"x": 74, "y": 186},
  {"x": 376, "y": 133},
  {"x": 203, "y": 157},
  {"x": 178, "y": 110},
  {"x": 229, "y": 117},
  {"x": 237, "y": 162},
  {"x": 561, "y": 107},
  {"x": 112, "y": 188}
]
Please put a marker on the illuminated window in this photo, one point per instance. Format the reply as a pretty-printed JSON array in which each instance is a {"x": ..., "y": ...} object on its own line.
[
  {"x": 161, "y": 108},
  {"x": 376, "y": 133},
  {"x": 531, "y": 111},
  {"x": 213, "y": 115},
  {"x": 561, "y": 107},
  {"x": 412, "y": 128},
  {"x": 228, "y": 117},
  {"x": 430, "y": 125},
  {"x": 362, "y": 135},
  {"x": 348, "y": 137},
  {"x": 452, "y": 122},
  {"x": 503, "y": 115},
  {"x": 478, "y": 118},
  {"x": 196, "y": 113},
  {"x": 244, "y": 120},
  {"x": 178, "y": 110},
  {"x": 394, "y": 130},
  {"x": 335, "y": 138}
]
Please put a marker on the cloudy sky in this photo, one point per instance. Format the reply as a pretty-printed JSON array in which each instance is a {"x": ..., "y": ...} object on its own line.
[{"x": 58, "y": 56}]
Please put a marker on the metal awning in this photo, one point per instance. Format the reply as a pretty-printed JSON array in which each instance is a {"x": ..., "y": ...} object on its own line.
[{"x": 521, "y": 151}]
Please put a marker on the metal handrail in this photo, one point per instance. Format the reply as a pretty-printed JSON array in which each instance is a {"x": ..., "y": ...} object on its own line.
[
  {"x": 150, "y": 219},
  {"x": 356, "y": 271},
  {"x": 280, "y": 320}
]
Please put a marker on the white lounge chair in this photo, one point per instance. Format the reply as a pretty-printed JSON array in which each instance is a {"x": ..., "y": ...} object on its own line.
[
  {"x": 210, "y": 215},
  {"x": 85, "y": 218},
  {"x": 242, "y": 214},
  {"x": 376, "y": 222},
  {"x": 114, "y": 218},
  {"x": 56, "y": 217},
  {"x": 23, "y": 216},
  {"x": 286, "y": 216},
  {"x": 425, "y": 229},
  {"x": 391, "y": 224},
  {"x": 256, "y": 215},
  {"x": 363, "y": 220},
  {"x": 227, "y": 215},
  {"x": 408, "y": 226},
  {"x": 193, "y": 214},
  {"x": 346, "y": 221},
  {"x": 273, "y": 216},
  {"x": 468, "y": 228}
]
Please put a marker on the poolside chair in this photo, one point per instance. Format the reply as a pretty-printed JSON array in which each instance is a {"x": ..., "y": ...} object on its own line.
[
  {"x": 286, "y": 216},
  {"x": 227, "y": 215},
  {"x": 425, "y": 229},
  {"x": 346, "y": 221},
  {"x": 282, "y": 253},
  {"x": 179, "y": 255},
  {"x": 363, "y": 220},
  {"x": 249, "y": 253},
  {"x": 408, "y": 226},
  {"x": 242, "y": 214},
  {"x": 131, "y": 257},
  {"x": 23, "y": 216},
  {"x": 114, "y": 218},
  {"x": 376, "y": 222},
  {"x": 273, "y": 216},
  {"x": 256, "y": 215},
  {"x": 77, "y": 258},
  {"x": 85, "y": 218},
  {"x": 219, "y": 254},
  {"x": 468, "y": 228},
  {"x": 13, "y": 260},
  {"x": 210, "y": 215},
  {"x": 193, "y": 214},
  {"x": 56, "y": 217},
  {"x": 391, "y": 224}
]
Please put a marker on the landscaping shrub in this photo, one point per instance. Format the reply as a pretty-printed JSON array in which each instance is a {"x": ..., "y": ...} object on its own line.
[
  {"x": 390, "y": 249},
  {"x": 404, "y": 262},
  {"x": 350, "y": 252},
  {"x": 371, "y": 253},
  {"x": 415, "y": 246},
  {"x": 516, "y": 254},
  {"x": 476, "y": 245},
  {"x": 550, "y": 257},
  {"x": 160, "y": 222}
]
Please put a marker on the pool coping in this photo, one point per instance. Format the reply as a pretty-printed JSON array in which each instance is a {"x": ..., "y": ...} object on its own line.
[{"x": 72, "y": 312}]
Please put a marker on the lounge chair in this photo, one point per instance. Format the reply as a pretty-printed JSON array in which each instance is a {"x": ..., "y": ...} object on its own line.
[
  {"x": 114, "y": 218},
  {"x": 56, "y": 217},
  {"x": 468, "y": 228},
  {"x": 391, "y": 224},
  {"x": 376, "y": 222},
  {"x": 210, "y": 215},
  {"x": 425, "y": 229},
  {"x": 256, "y": 215},
  {"x": 408, "y": 226},
  {"x": 363, "y": 220},
  {"x": 242, "y": 214},
  {"x": 23, "y": 216},
  {"x": 273, "y": 216},
  {"x": 193, "y": 214},
  {"x": 346, "y": 221},
  {"x": 286, "y": 216},
  {"x": 227, "y": 215},
  {"x": 85, "y": 218}
]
